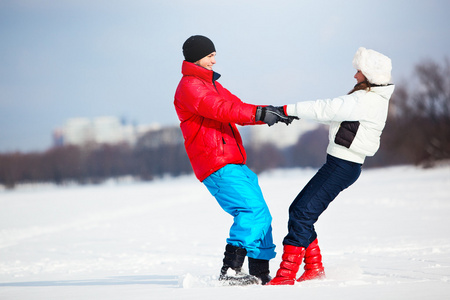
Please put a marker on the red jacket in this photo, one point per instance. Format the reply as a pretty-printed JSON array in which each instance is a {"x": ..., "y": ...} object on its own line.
[{"x": 208, "y": 113}]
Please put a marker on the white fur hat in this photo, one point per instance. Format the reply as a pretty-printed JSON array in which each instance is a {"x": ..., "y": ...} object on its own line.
[{"x": 374, "y": 65}]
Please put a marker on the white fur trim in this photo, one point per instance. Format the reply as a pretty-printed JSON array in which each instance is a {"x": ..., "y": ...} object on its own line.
[{"x": 374, "y": 65}]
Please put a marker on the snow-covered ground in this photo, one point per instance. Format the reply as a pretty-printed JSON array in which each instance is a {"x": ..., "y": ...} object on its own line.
[{"x": 386, "y": 237}]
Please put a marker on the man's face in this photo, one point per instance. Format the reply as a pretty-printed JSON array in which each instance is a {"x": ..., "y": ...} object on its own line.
[{"x": 207, "y": 62}]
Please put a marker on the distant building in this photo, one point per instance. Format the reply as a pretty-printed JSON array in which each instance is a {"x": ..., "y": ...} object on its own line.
[
  {"x": 100, "y": 130},
  {"x": 77, "y": 131},
  {"x": 111, "y": 130},
  {"x": 168, "y": 136},
  {"x": 58, "y": 138}
]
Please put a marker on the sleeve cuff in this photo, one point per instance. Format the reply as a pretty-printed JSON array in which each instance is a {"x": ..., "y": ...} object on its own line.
[{"x": 290, "y": 110}]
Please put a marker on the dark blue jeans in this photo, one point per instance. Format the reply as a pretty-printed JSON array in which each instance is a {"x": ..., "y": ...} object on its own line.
[{"x": 332, "y": 178}]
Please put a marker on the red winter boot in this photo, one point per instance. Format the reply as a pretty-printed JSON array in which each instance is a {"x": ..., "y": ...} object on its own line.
[
  {"x": 292, "y": 258},
  {"x": 313, "y": 263}
]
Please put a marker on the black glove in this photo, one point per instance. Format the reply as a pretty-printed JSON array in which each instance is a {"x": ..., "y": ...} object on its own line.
[{"x": 271, "y": 115}]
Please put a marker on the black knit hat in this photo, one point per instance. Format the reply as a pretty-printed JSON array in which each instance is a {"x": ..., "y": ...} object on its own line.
[{"x": 196, "y": 47}]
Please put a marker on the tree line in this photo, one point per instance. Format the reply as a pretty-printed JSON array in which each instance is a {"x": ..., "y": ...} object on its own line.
[
  {"x": 417, "y": 132},
  {"x": 92, "y": 164}
]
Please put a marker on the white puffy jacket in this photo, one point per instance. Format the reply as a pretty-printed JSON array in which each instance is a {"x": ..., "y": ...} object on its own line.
[{"x": 370, "y": 108}]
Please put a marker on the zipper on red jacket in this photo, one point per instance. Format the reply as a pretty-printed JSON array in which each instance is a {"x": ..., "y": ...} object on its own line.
[
  {"x": 239, "y": 147},
  {"x": 215, "y": 77}
]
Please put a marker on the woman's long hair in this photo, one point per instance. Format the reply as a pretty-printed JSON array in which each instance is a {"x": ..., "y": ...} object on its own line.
[{"x": 363, "y": 85}]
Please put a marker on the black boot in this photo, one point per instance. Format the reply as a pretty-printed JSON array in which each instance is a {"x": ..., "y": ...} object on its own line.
[
  {"x": 259, "y": 268},
  {"x": 234, "y": 259}
]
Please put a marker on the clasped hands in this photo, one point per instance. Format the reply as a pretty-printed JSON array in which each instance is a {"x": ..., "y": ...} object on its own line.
[{"x": 271, "y": 115}]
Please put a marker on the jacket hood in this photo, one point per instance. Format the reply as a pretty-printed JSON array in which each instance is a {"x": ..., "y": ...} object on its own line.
[{"x": 385, "y": 91}]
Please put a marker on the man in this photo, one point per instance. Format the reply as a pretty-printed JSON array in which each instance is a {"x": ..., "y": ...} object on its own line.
[{"x": 208, "y": 114}]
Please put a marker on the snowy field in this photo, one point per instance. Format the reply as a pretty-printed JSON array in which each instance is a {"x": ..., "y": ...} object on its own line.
[{"x": 386, "y": 237}]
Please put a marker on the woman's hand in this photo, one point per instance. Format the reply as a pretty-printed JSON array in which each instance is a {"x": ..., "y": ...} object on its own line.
[{"x": 271, "y": 115}]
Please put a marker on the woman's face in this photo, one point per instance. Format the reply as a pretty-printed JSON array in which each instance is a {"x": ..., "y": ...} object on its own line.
[
  {"x": 359, "y": 77},
  {"x": 207, "y": 62}
]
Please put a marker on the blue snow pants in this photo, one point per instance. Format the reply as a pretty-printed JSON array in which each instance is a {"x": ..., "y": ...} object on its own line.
[
  {"x": 332, "y": 178},
  {"x": 237, "y": 191}
]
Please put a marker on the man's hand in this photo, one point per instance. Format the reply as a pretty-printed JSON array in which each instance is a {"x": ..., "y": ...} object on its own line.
[{"x": 271, "y": 115}]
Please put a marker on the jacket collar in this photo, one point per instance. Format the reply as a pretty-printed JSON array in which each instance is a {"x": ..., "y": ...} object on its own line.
[
  {"x": 191, "y": 69},
  {"x": 384, "y": 91}
]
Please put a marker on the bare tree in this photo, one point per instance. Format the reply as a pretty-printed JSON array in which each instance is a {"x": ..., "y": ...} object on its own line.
[{"x": 419, "y": 121}]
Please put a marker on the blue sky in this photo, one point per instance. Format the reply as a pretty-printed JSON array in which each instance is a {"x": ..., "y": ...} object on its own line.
[{"x": 78, "y": 58}]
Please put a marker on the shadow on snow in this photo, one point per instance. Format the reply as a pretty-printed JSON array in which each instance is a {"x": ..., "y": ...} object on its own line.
[{"x": 115, "y": 280}]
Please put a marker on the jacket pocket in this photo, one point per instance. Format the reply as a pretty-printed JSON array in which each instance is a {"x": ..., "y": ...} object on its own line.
[{"x": 346, "y": 133}]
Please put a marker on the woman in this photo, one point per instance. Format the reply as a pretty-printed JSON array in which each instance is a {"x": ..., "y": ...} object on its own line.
[
  {"x": 356, "y": 121},
  {"x": 208, "y": 113}
]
